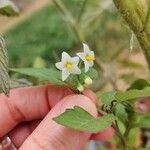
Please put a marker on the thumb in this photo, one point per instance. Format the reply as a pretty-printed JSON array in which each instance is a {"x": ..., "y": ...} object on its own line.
[{"x": 52, "y": 136}]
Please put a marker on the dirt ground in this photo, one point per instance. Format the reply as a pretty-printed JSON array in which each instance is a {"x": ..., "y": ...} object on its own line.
[{"x": 26, "y": 9}]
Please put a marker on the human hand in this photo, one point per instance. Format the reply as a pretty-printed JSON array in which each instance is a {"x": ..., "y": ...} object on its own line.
[{"x": 26, "y": 117}]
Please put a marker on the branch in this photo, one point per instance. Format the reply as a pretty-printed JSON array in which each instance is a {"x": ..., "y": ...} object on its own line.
[{"x": 135, "y": 13}]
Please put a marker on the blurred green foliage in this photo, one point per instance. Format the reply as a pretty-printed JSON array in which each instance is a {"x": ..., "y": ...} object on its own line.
[
  {"x": 42, "y": 34},
  {"x": 47, "y": 33}
]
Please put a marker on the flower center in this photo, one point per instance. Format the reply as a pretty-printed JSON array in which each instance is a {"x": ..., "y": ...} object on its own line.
[
  {"x": 89, "y": 57},
  {"x": 69, "y": 65}
]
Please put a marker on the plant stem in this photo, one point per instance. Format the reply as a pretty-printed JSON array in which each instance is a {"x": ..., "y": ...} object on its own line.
[
  {"x": 127, "y": 132},
  {"x": 135, "y": 13},
  {"x": 121, "y": 137}
]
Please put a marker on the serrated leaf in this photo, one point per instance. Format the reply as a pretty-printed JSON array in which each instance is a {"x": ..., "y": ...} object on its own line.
[
  {"x": 79, "y": 119},
  {"x": 42, "y": 74},
  {"x": 108, "y": 97},
  {"x": 8, "y": 8},
  {"x": 4, "y": 77},
  {"x": 132, "y": 94}
]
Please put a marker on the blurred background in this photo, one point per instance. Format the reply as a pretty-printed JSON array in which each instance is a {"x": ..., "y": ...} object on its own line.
[
  {"x": 42, "y": 31},
  {"x": 44, "y": 28}
]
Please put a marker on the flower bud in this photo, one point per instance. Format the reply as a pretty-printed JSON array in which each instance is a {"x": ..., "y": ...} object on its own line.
[
  {"x": 88, "y": 81},
  {"x": 80, "y": 88}
]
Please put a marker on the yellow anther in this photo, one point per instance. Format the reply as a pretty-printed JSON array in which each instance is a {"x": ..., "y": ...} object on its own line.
[
  {"x": 68, "y": 65},
  {"x": 90, "y": 58}
]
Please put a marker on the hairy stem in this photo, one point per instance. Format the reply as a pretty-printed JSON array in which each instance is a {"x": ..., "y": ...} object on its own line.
[{"x": 135, "y": 13}]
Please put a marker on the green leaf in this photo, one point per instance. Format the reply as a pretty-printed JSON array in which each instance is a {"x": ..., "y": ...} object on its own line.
[
  {"x": 132, "y": 137},
  {"x": 4, "y": 77},
  {"x": 121, "y": 113},
  {"x": 92, "y": 73},
  {"x": 8, "y": 8},
  {"x": 72, "y": 81},
  {"x": 108, "y": 97},
  {"x": 132, "y": 94},
  {"x": 79, "y": 119},
  {"x": 42, "y": 74},
  {"x": 144, "y": 122},
  {"x": 52, "y": 76},
  {"x": 139, "y": 84}
]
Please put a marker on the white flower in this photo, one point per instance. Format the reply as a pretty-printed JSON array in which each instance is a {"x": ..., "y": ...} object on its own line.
[
  {"x": 68, "y": 65},
  {"x": 87, "y": 56}
]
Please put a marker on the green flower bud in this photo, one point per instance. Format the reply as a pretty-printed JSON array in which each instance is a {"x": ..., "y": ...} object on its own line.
[
  {"x": 80, "y": 87},
  {"x": 88, "y": 81}
]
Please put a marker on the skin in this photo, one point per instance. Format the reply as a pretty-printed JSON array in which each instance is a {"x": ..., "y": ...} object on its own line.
[{"x": 26, "y": 117}]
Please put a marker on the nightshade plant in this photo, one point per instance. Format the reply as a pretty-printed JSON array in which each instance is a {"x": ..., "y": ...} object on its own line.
[{"x": 117, "y": 107}]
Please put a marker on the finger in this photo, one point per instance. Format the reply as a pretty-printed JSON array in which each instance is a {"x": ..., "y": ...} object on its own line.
[
  {"x": 20, "y": 133},
  {"x": 91, "y": 95},
  {"x": 108, "y": 133},
  {"x": 50, "y": 135},
  {"x": 27, "y": 104},
  {"x": 105, "y": 135}
]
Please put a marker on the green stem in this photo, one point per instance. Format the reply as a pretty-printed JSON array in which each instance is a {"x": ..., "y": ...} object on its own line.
[
  {"x": 147, "y": 17},
  {"x": 135, "y": 13},
  {"x": 127, "y": 132},
  {"x": 121, "y": 137}
]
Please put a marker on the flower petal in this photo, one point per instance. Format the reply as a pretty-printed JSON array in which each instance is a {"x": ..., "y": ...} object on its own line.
[
  {"x": 86, "y": 66},
  {"x": 59, "y": 65},
  {"x": 82, "y": 56},
  {"x": 65, "y": 74},
  {"x": 91, "y": 53},
  {"x": 76, "y": 70},
  {"x": 91, "y": 63},
  {"x": 65, "y": 57},
  {"x": 75, "y": 60},
  {"x": 86, "y": 48}
]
